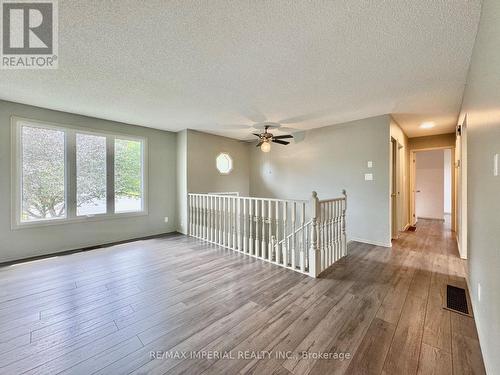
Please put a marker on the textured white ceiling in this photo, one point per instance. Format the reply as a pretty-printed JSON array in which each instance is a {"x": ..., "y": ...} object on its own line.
[{"x": 219, "y": 65}]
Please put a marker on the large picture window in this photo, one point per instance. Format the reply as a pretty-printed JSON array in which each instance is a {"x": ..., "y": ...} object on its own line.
[
  {"x": 90, "y": 174},
  {"x": 42, "y": 174},
  {"x": 128, "y": 175},
  {"x": 65, "y": 174}
]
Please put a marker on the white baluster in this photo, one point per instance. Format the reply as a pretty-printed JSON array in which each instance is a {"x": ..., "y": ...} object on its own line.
[
  {"x": 330, "y": 231},
  {"x": 229, "y": 222},
  {"x": 233, "y": 219},
  {"x": 209, "y": 218},
  {"x": 337, "y": 230},
  {"x": 224, "y": 221},
  {"x": 257, "y": 238},
  {"x": 321, "y": 236},
  {"x": 314, "y": 255},
  {"x": 303, "y": 244},
  {"x": 327, "y": 234},
  {"x": 219, "y": 220},
  {"x": 251, "y": 243},
  {"x": 344, "y": 237},
  {"x": 271, "y": 237},
  {"x": 276, "y": 247},
  {"x": 294, "y": 218},
  {"x": 245, "y": 232},
  {"x": 216, "y": 222},
  {"x": 196, "y": 214},
  {"x": 205, "y": 225},
  {"x": 285, "y": 235},
  {"x": 190, "y": 214},
  {"x": 263, "y": 239},
  {"x": 239, "y": 223},
  {"x": 214, "y": 218}
]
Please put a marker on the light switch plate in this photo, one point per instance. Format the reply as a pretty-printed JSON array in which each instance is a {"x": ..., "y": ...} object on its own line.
[
  {"x": 495, "y": 165},
  {"x": 370, "y": 164},
  {"x": 368, "y": 177}
]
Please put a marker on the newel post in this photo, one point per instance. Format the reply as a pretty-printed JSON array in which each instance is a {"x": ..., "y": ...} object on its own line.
[{"x": 314, "y": 253}]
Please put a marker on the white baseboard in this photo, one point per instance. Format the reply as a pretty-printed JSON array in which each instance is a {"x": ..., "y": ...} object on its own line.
[
  {"x": 376, "y": 243},
  {"x": 430, "y": 218}
]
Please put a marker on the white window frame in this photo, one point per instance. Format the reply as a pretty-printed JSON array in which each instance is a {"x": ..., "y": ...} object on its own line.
[
  {"x": 70, "y": 174},
  {"x": 230, "y": 158}
]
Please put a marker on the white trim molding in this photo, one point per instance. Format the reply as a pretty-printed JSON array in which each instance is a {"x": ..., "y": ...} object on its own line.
[{"x": 70, "y": 179}]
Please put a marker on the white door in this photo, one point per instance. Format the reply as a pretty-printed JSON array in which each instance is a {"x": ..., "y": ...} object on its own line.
[{"x": 429, "y": 182}]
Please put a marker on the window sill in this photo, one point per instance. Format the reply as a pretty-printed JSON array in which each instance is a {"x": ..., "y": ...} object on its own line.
[{"x": 78, "y": 219}]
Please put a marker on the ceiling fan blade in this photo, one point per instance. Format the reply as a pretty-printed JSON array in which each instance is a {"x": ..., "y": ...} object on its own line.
[
  {"x": 281, "y": 142},
  {"x": 259, "y": 144},
  {"x": 257, "y": 135},
  {"x": 283, "y": 136}
]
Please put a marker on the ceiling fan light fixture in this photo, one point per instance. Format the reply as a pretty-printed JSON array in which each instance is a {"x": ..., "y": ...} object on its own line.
[{"x": 266, "y": 146}]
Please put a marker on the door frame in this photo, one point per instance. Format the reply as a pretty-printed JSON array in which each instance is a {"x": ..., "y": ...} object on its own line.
[
  {"x": 461, "y": 188},
  {"x": 413, "y": 218},
  {"x": 396, "y": 185}
]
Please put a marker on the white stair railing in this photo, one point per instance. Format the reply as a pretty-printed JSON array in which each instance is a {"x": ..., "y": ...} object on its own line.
[
  {"x": 328, "y": 234},
  {"x": 280, "y": 231}
]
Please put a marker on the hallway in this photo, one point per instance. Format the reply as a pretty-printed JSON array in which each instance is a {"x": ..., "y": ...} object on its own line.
[{"x": 447, "y": 341}]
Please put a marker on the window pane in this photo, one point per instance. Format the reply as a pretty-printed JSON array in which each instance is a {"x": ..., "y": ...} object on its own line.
[
  {"x": 128, "y": 176},
  {"x": 43, "y": 195},
  {"x": 90, "y": 174},
  {"x": 224, "y": 163}
]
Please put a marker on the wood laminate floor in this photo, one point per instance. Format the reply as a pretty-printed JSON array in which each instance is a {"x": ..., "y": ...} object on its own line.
[{"x": 176, "y": 305}]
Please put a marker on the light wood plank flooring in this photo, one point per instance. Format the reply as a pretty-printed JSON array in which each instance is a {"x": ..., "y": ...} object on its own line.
[{"x": 111, "y": 311}]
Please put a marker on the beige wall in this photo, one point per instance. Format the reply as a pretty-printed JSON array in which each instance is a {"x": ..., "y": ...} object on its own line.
[
  {"x": 29, "y": 242},
  {"x": 432, "y": 141},
  {"x": 202, "y": 174},
  {"x": 481, "y": 104},
  {"x": 328, "y": 160},
  {"x": 197, "y": 172}
]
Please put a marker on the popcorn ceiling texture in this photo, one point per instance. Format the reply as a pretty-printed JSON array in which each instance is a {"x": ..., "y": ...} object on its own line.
[{"x": 213, "y": 64}]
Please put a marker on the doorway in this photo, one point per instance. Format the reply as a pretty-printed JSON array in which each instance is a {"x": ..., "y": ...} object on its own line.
[
  {"x": 396, "y": 186},
  {"x": 432, "y": 187}
]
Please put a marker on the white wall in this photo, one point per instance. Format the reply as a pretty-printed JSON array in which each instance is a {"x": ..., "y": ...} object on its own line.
[
  {"x": 429, "y": 182},
  {"x": 328, "y": 160},
  {"x": 447, "y": 181},
  {"x": 481, "y": 103},
  {"x": 28, "y": 242}
]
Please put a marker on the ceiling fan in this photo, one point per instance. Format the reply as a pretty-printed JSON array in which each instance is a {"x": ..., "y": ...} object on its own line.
[{"x": 266, "y": 138}]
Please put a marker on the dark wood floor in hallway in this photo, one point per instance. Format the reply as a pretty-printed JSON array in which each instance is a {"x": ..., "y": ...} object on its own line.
[{"x": 111, "y": 311}]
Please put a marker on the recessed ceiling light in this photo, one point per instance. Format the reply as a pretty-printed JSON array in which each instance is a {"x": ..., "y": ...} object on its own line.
[{"x": 427, "y": 125}]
